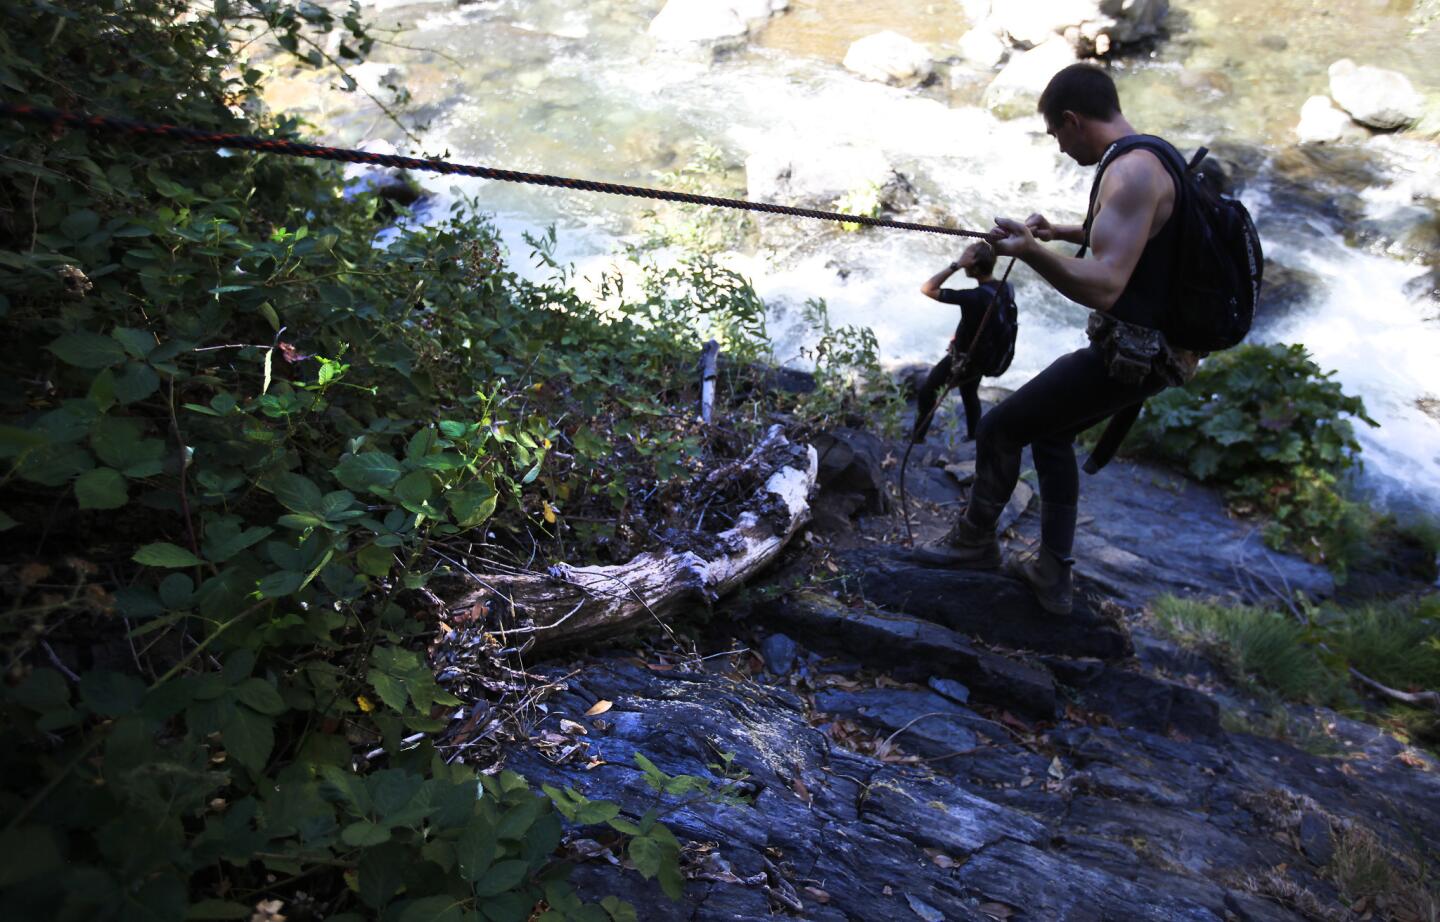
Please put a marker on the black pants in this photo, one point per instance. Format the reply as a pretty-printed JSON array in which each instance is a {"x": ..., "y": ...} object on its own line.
[
  {"x": 1071, "y": 395},
  {"x": 930, "y": 391}
]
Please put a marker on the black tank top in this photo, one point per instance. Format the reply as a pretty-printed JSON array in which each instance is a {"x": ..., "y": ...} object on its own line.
[{"x": 1146, "y": 298}]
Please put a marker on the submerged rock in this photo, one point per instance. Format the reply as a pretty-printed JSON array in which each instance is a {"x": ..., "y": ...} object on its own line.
[
  {"x": 798, "y": 174},
  {"x": 1089, "y": 27},
  {"x": 711, "y": 21},
  {"x": 890, "y": 57},
  {"x": 982, "y": 48},
  {"x": 1380, "y": 98},
  {"x": 386, "y": 182},
  {"x": 1016, "y": 89},
  {"x": 1322, "y": 122}
]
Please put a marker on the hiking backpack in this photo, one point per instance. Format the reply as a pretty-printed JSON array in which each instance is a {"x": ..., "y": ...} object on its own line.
[
  {"x": 998, "y": 347},
  {"x": 1219, "y": 265}
]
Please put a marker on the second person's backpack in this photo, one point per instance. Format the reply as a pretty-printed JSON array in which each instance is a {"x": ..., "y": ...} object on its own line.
[{"x": 997, "y": 349}]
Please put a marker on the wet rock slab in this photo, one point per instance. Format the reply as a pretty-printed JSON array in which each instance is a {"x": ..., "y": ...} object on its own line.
[{"x": 1085, "y": 822}]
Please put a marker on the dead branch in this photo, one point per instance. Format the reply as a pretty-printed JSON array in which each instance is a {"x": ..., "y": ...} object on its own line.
[
  {"x": 573, "y": 604},
  {"x": 1429, "y": 699}
]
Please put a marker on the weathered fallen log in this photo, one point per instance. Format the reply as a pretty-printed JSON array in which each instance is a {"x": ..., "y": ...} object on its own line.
[{"x": 568, "y": 604}]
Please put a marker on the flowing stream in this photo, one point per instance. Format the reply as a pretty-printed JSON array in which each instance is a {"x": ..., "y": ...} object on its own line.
[{"x": 581, "y": 90}]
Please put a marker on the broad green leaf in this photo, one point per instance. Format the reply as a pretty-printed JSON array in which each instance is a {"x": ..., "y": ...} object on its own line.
[
  {"x": 42, "y": 690},
  {"x": 165, "y": 554},
  {"x": 597, "y": 811},
  {"x": 135, "y": 382},
  {"x": 286, "y": 582},
  {"x": 390, "y": 690},
  {"x": 102, "y": 488},
  {"x": 249, "y": 737},
  {"x": 434, "y": 909},
  {"x": 473, "y": 504},
  {"x": 14, "y": 440},
  {"x": 77, "y": 225},
  {"x": 502, "y": 876},
  {"x": 29, "y": 852},
  {"x": 88, "y": 350},
  {"x": 415, "y": 488},
  {"x": 261, "y": 696},
  {"x": 138, "y": 602},
  {"x": 374, "y": 560},
  {"x": 382, "y": 873},
  {"x": 647, "y": 855},
  {"x": 362, "y": 833},
  {"x": 138, "y": 343},
  {"x": 223, "y": 542},
  {"x": 111, "y": 694},
  {"x": 392, "y": 789},
  {"x": 102, "y": 390},
  {"x": 368, "y": 470},
  {"x": 519, "y": 818},
  {"x": 347, "y": 787},
  {"x": 620, "y": 911},
  {"x": 177, "y": 591},
  {"x": 507, "y": 907},
  {"x": 420, "y": 444},
  {"x": 297, "y": 493}
]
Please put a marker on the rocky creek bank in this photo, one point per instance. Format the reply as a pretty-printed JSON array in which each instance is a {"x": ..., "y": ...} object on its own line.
[{"x": 913, "y": 742}]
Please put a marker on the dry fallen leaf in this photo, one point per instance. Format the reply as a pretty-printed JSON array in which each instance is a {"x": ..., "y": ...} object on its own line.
[
  {"x": 569, "y": 726},
  {"x": 820, "y": 895},
  {"x": 1056, "y": 770},
  {"x": 996, "y": 910},
  {"x": 599, "y": 707}
]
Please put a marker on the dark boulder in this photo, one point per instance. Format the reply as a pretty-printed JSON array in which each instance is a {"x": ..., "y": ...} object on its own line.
[{"x": 986, "y": 605}]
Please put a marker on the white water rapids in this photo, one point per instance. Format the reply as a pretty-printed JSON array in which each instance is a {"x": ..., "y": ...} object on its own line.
[{"x": 552, "y": 87}]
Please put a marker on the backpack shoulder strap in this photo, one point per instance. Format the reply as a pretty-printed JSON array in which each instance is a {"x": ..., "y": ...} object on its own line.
[{"x": 1170, "y": 157}]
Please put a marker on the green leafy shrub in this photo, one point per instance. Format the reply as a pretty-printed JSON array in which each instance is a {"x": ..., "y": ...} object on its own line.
[
  {"x": 848, "y": 376},
  {"x": 236, "y": 436},
  {"x": 1277, "y": 433}
]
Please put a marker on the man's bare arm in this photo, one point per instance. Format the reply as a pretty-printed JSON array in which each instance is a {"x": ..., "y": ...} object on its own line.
[
  {"x": 931, "y": 288},
  {"x": 1130, "y": 195}
]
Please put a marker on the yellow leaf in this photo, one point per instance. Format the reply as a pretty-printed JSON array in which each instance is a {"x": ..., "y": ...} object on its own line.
[
  {"x": 545, "y": 443},
  {"x": 537, "y": 386},
  {"x": 549, "y": 513},
  {"x": 599, "y": 707},
  {"x": 366, "y": 704}
]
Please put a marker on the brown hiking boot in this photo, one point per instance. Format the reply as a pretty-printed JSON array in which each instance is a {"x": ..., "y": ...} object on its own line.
[
  {"x": 1048, "y": 576},
  {"x": 967, "y": 546}
]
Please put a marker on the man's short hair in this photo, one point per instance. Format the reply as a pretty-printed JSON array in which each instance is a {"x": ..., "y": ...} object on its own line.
[
  {"x": 1083, "y": 89},
  {"x": 984, "y": 263}
]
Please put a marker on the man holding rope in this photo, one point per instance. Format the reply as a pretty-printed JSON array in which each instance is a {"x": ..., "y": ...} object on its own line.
[{"x": 1126, "y": 283}]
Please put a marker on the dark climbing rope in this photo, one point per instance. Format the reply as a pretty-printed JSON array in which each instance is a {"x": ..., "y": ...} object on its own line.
[
  {"x": 106, "y": 124},
  {"x": 956, "y": 374}
]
